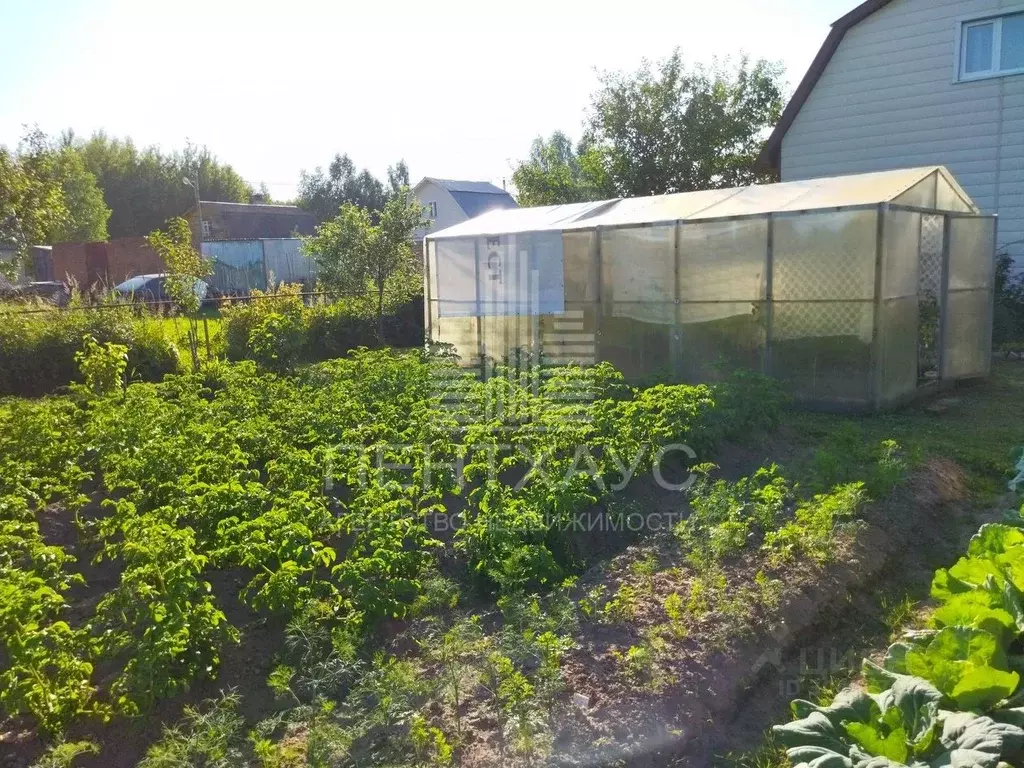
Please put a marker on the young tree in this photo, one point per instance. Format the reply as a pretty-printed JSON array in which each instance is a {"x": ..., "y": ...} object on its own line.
[
  {"x": 355, "y": 254},
  {"x": 556, "y": 173},
  {"x": 184, "y": 266}
]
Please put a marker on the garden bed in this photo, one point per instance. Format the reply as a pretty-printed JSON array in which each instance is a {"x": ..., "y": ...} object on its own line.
[{"x": 224, "y": 502}]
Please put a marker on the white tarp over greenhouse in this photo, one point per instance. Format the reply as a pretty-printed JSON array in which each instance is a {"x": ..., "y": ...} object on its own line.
[{"x": 857, "y": 290}]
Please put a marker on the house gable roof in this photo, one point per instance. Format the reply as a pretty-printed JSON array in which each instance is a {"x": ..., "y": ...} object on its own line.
[
  {"x": 474, "y": 197},
  {"x": 243, "y": 221},
  {"x": 771, "y": 156},
  {"x": 479, "y": 187}
]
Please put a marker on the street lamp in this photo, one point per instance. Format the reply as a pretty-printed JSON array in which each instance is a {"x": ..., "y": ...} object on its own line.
[{"x": 199, "y": 206}]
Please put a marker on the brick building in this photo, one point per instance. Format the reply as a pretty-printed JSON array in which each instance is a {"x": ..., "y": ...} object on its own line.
[{"x": 108, "y": 263}]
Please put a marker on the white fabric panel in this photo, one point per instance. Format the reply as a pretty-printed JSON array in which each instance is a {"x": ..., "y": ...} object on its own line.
[{"x": 501, "y": 276}]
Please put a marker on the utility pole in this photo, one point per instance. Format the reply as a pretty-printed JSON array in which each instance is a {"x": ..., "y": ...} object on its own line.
[{"x": 199, "y": 205}]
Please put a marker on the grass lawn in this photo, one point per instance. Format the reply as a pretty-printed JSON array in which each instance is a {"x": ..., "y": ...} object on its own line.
[
  {"x": 979, "y": 426},
  {"x": 209, "y": 322}
]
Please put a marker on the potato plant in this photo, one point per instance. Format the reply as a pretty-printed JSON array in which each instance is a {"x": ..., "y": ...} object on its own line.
[{"x": 318, "y": 488}]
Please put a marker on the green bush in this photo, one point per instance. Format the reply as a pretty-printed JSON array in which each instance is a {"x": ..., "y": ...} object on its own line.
[
  {"x": 37, "y": 349},
  {"x": 278, "y": 331},
  {"x": 1008, "y": 323}
]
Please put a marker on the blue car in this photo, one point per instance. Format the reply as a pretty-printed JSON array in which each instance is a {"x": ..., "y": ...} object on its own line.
[{"x": 152, "y": 289}]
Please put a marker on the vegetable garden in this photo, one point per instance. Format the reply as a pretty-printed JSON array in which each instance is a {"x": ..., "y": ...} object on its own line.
[
  {"x": 947, "y": 695},
  {"x": 379, "y": 560}
]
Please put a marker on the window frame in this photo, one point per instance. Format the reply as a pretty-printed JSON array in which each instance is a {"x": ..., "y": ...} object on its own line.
[
  {"x": 205, "y": 227},
  {"x": 432, "y": 210},
  {"x": 977, "y": 19}
]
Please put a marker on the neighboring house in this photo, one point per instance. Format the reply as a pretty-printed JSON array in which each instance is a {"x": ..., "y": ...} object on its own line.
[
  {"x": 243, "y": 221},
  {"x": 449, "y": 202},
  {"x": 906, "y": 83}
]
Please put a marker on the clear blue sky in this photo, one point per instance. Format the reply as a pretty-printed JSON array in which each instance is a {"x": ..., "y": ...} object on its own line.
[{"x": 458, "y": 89}]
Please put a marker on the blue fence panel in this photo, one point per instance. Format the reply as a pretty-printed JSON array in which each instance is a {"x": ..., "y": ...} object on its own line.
[
  {"x": 237, "y": 266},
  {"x": 285, "y": 262}
]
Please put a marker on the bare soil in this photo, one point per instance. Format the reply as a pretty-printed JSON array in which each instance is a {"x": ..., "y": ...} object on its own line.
[{"x": 721, "y": 683}]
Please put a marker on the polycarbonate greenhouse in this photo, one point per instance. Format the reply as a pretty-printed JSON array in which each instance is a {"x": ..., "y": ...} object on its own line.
[{"x": 857, "y": 291}]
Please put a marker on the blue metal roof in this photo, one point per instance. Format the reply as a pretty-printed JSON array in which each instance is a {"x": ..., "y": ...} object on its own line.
[
  {"x": 474, "y": 203},
  {"x": 479, "y": 187}
]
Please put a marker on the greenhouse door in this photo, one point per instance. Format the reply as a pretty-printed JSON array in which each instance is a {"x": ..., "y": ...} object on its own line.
[{"x": 929, "y": 298}]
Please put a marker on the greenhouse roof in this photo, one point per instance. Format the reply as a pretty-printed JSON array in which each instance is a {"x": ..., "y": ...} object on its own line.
[{"x": 931, "y": 187}]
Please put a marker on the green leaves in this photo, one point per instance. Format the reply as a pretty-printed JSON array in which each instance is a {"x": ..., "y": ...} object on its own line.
[
  {"x": 962, "y": 664},
  {"x": 980, "y": 613},
  {"x": 966, "y": 664},
  {"x": 557, "y": 173},
  {"x": 359, "y": 249},
  {"x": 47, "y": 195},
  {"x": 902, "y": 725},
  {"x": 980, "y": 609},
  {"x": 725, "y": 515},
  {"x": 162, "y": 614},
  {"x": 673, "y": 128},
  {"x": 314, "y": 495},
  {"x": 102, "y": 366}
]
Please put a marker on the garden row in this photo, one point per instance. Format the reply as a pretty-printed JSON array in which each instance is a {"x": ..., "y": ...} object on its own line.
[
  {"x": 948, "y": 695},
  {"x": 319, "y": 488},
  {"x": 492, "y": 686}
]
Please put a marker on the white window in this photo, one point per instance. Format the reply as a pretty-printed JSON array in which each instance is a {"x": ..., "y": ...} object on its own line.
[
  {"x": 991, "y": 46},
  {"x": 432, "y": 210},
  {"x": 207, "y": 230}
]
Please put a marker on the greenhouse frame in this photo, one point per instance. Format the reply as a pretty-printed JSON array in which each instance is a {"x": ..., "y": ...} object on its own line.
[{"x": 858, "y": 292}]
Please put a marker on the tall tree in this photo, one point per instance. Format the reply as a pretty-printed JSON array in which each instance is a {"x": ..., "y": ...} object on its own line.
[
  {"x": 144, "y": 188},
  {"x": 556, "y": 173},
  {"x": 87, "y": 211},
  {"x": 354, "y": 253},
  {"x": 673, "y": 129},
  {"x": 322, "y": 193},
  {"x": 261, "y": 194},
  {"x": 31, "y": 204},
  {"x": 398, "y": 178},
  {"x": 47, "y": 196}
]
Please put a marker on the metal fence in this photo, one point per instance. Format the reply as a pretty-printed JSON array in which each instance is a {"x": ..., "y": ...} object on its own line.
[{"x": 241, "y": 266}]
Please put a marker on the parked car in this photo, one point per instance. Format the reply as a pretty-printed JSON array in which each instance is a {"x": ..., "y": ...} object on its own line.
[
  {"x": 153, "y": 289},
  {"x": 53, "y": 291}
]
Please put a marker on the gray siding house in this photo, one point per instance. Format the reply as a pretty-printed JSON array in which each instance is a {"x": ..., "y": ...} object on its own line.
[{"x": 905, "y": 83}]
